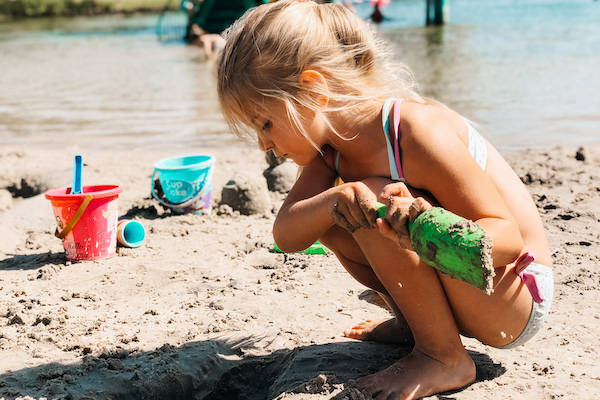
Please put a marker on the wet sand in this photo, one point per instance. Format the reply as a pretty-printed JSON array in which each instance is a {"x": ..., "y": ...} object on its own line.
[{"x": 204, "y": 309}]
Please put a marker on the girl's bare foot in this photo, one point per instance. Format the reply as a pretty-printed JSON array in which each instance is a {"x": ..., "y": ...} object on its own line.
[
  {"x": 418, "y": 375},
  {"x": 381, "y": 330}
]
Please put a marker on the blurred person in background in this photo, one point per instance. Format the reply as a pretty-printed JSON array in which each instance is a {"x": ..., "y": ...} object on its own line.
[{"x": 208, "y": 19}]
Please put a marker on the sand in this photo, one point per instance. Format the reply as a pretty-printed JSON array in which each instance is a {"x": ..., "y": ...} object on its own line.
[{"x": 204, "y": 309}]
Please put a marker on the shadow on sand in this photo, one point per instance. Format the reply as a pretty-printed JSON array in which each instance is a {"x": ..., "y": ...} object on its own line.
[
  {"x": 32, "y": 261},
  {"x": 147, "y": 211},
  {"x": 227, "y": 367}
]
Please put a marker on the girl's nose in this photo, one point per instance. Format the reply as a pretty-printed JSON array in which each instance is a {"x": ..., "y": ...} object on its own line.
[{"x": 263, "y": 146}]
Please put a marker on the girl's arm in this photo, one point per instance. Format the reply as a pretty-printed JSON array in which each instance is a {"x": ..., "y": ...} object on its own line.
[
  {"x": 304, "y": 215},
  {"x": 437, "y": 160},
  {"x": 313, "y": 206}
]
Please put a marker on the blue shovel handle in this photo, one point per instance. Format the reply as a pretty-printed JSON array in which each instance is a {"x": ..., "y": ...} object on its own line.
[{"x": 77, "y": 168}]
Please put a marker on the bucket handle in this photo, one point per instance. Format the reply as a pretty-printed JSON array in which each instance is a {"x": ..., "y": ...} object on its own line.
[
  {"x": 186, "y": 203},
  {"x": 75, "y": 218}
]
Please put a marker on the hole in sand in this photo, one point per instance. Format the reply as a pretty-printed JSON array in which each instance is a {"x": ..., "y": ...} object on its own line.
[
  {"x": 234, "y": 367},
  {"x": 27, "y": 187}
]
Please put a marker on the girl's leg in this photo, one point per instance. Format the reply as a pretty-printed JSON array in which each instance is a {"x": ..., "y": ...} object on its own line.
[
  {"x": 435, "y": 306},
  {"x": 438, "y": 361},
  {"x": 386, "y": 330},
  {"x": 496, "y": 319}
]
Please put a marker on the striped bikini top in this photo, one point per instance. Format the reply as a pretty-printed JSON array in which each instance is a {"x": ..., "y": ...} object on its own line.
[{"x": 477, "y": 146}]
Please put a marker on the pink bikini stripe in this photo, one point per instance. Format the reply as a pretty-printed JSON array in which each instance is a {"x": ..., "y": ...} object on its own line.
[{"x": 528, "y": 278}]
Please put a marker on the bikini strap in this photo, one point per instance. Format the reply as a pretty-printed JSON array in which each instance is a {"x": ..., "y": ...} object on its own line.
[
  {"x": 385, "y": 121},
  {"x": 393, "y": 155},
  {"x": 397, "y": 137}
]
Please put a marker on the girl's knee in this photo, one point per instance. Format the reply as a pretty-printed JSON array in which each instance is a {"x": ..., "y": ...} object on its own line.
[
  {"x": 351, "y": 257},
  {"x": 330, "y": 238},
  {"x": 342, "y": 242}
]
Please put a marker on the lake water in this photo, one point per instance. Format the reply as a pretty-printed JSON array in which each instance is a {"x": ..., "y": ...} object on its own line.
[{"x": 526, "y": 71}]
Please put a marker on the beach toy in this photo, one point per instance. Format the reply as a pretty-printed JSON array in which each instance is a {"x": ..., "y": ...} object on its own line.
[
  {"x": 130, "y": 233},
  {"x": 77, "y": 170},
  {"x": 86, "y": 217},
  {"x": 185, "y": 183},
  {"x": 315, "y": 248},
  {"x": 453, "y": 245},
  {"x": 87, "y": 222}
]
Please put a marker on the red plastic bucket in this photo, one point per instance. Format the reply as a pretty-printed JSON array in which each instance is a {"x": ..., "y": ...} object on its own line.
[{"x": 87, "y": 222}]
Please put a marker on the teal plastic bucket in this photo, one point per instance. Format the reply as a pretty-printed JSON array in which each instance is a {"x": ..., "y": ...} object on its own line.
[{"x": 185, "y": 182}]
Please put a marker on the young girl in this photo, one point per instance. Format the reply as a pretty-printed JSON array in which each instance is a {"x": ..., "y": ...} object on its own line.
[{"x": 311, "y": 82}]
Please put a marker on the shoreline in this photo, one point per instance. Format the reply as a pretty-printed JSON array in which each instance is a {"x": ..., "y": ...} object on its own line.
[
  {"x": 16, "y": 12},
  {"x": 204, "y": 307}
]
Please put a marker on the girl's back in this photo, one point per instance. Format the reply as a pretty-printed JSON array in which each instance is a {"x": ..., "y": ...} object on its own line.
[{"x": 508, "y": 185}]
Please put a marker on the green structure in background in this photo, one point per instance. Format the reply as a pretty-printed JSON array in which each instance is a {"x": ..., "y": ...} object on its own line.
[
  {"x": 437, "y": 12},
  {"x": 210, "y": 16},
  {"x": 215, "y": 16}
]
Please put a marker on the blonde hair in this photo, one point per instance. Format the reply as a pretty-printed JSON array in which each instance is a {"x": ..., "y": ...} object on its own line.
[{"x": 269, "y": 47}]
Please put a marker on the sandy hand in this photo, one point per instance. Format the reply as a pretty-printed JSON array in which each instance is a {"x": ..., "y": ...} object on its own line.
[
  {"x": 353, "y": 207},
  {"x": 402, "y": 208}
]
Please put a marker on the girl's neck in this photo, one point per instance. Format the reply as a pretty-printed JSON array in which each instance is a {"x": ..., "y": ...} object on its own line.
[{"x": 362, "y": 134}]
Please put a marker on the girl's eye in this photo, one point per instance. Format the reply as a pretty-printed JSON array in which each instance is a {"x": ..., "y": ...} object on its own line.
[{"x": 267, "y": 125}]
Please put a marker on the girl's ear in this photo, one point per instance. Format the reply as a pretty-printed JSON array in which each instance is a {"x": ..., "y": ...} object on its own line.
[{"x": 314, "y": 83}]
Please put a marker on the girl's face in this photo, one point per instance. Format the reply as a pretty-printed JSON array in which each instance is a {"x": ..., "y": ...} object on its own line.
[{"x": 276, "y": 132}]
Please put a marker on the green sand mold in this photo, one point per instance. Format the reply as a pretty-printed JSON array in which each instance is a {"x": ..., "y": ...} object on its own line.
[
  {"x": 316, "y": 248},
  {"x": 453, "y": 245}
]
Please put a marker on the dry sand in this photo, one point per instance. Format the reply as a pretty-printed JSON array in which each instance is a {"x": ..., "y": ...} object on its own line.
[{"x": 205, "y": 310}]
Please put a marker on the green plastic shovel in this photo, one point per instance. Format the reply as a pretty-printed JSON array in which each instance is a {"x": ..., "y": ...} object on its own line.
[{"x": 453, "y": 245}]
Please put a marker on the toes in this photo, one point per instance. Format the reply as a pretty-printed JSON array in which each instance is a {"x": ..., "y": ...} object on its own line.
[
  {"x": 361, "y": 325},
  {"x": 364, "y": 324},
  {"x": 358, "y": 329},
  {"x": 355, "y": 333},
  {"x": 367, "y": 386}
]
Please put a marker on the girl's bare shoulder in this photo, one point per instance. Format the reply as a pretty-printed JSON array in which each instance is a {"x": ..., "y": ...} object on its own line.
[
  {"x": 433, "y": 138},
  {"x": 422, "y": 122}
]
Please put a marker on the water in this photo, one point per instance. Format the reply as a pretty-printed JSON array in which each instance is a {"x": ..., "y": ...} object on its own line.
[
  {"x": 526, "y": 71},
  {"x": 105, "y": 82}
]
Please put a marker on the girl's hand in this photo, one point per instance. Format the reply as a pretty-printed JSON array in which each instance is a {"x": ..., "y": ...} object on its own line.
[
  {"x": 402, "y": 208},
  {"x": 353, "y": 207}
]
